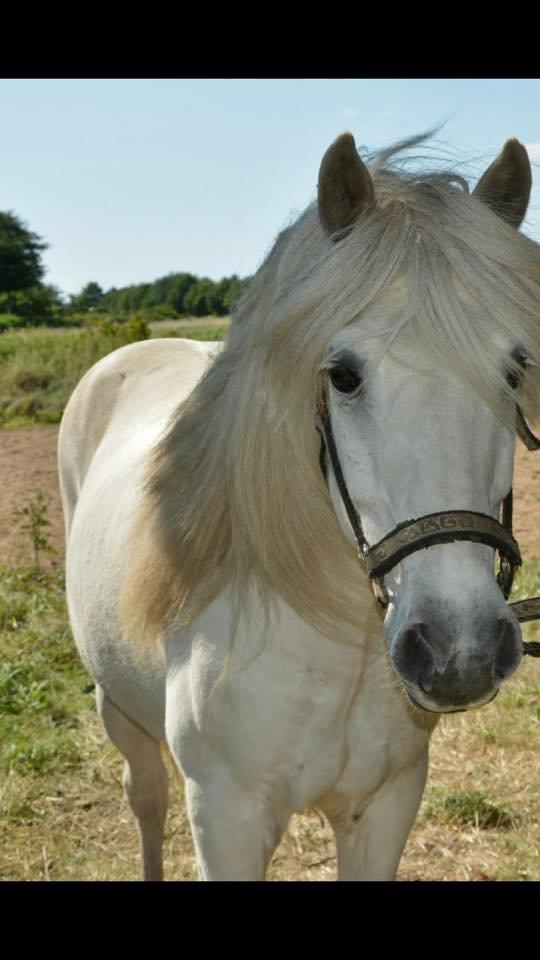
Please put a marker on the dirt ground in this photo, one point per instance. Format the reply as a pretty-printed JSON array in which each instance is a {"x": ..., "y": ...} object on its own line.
[{"x": 28, "y": 465}]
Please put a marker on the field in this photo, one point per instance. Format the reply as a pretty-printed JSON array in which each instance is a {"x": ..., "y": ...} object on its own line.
[{"x": 62, "y": 815}]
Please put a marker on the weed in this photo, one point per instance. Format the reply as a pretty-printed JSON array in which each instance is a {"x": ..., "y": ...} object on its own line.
[{"x": 35, "y": 512}]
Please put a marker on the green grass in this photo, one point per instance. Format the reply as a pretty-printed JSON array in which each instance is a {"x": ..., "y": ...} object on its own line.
[
  {"x": 62, "y": 813},
  {"x": 209, "y": 328},
  {"x": 470, "y": 808},
  {"x": 39, "y": 368},
  {"x": 42, "y": 681},
  {"x": 527, "y": 584}
]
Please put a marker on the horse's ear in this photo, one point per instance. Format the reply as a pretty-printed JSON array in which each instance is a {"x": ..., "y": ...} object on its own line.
[
  {"x": 345, "y": 186},
  {"x": 506, "y": 184}
]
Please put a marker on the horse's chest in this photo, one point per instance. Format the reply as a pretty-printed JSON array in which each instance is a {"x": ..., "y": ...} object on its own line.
[
  {"x": 365, "y": 734},
  {"x": 310, "y": 729}
]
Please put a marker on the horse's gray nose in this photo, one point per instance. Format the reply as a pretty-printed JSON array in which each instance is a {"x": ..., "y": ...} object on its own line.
[{"x": 457, "y": 670}]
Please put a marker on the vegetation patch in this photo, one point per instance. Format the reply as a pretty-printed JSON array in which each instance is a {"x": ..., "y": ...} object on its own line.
[
  {"x": 39, "y": 369},
  {"x": 471, "y": 808},
  {"x": 41, "y": 676}
]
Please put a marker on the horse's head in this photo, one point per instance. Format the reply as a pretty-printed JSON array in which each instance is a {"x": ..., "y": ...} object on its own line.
[{"x": 414, "y": 437}]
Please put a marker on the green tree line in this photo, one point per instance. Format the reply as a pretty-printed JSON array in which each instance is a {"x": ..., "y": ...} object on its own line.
[
  {"x": 178, "y": 294},
  {"x": 26, "y": 301}
]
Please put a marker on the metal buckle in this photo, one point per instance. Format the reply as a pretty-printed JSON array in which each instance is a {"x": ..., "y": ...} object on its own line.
[
  {"x": 381, "y": 593},
  {"x": 505, "y": 576}
]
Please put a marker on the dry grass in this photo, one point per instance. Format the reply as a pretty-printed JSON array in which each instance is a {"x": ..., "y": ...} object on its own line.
[
  {"x": 185, "y": 326},
  {"x": 63, "y": 817}
]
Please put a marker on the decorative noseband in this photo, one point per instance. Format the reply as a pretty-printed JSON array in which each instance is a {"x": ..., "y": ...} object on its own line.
[
  {"x": 443, "y": 527},
  {"x": 446, "y": 526}
]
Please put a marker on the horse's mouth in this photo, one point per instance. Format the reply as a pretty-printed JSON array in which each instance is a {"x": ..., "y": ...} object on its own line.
[{"x": 418, "y": 706}]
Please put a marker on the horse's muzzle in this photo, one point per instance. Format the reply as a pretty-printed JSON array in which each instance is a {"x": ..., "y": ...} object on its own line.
[{"x": 445, "y": 672}]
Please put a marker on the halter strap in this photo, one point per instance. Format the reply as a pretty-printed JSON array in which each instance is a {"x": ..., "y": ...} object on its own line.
[
  {"x": 422, "y": 532},
  {"x": 443, "y": 527},
  {"x": 324, "y": 426}
]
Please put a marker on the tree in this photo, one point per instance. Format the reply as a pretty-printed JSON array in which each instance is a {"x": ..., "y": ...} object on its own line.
[
  {"x": 180, "y": 287},
  {"x": 35, "y": 305},
  {"x": 20, "y": 255},
  {"x": 230, "y": 290},
  {"x": 183, "y": 293},
  {"x": 89, "y": 297},
  {"x": 201, "y": 298}
]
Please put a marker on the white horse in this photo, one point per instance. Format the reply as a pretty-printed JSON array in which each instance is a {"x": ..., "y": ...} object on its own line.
[{"x": 214, "y": 588}]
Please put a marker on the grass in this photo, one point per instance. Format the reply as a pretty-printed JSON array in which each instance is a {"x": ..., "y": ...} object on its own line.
[
  {"x": 61, "y": 810},
  {"x": 62, "y": 815},
  {"x": 39, "y": 368},
  {"x": 470, "y": 808},
  {"x": 40, "y": 674}
]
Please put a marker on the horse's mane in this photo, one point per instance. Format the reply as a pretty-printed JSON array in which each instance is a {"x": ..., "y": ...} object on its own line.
[{"x": 234, "y": 494}]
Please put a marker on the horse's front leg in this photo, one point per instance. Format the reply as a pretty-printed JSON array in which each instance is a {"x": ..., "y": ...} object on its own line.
[
  {"x": 235, "y": 814},
  {"x": 234, "y": 830},
  {"x": 370, "y": 839}
]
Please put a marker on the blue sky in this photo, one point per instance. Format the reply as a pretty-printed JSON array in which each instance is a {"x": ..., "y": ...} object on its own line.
[{"x": 129, "y": 180}]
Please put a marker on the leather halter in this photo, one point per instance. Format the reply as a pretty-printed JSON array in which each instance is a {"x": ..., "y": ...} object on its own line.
[{"x": 445, "y": 526}]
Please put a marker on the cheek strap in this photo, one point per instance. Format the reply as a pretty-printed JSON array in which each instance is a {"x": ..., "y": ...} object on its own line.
[
  {"x": 444, "y": 527},
  {"x": 420, "y": 533}
]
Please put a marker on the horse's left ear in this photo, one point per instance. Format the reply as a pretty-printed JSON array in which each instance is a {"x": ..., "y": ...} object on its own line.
[
  {"x": 345, "y": 186},
  {"x": 506, "y": 184}
]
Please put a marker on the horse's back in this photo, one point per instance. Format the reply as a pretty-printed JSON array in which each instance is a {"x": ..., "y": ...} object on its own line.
[{"x": 121, "y": 397}]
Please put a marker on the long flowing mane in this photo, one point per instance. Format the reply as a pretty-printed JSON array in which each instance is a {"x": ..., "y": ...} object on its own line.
[{"x": 234, "y": 496}]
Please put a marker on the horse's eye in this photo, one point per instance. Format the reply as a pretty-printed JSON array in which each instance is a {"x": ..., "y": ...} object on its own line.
[
  {"x": 344, "y": 379},
  {"x": 513, "y": 379}
]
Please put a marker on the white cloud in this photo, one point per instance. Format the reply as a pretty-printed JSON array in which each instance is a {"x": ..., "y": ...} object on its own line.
[
  {"x": 533, "y": 149},
  {"x": 349, "y": 112}
]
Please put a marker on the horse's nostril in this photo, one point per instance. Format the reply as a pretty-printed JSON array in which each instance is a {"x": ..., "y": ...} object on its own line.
[
  {"x": 508, "y": 650},
  {"x": 413, "y": 656},
  {"x": 457, "y": 669}
]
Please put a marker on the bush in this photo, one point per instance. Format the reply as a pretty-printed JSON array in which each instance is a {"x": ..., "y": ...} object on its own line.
[
  {"x": 102, "y": 323},
  {"x": 135, "y": 329},
  {"x": 8, "y": 321},
  {"x": 65, "y": 319},
  {"x": 155, "y": 314}
]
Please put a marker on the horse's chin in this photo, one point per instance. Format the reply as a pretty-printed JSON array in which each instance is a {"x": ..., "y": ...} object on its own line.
[
  {"x": 436, "y": 713},
  {"x": 418, "y": 706}
]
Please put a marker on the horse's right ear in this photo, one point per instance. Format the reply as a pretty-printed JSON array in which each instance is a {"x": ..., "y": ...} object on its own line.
[
  {"x": 345, "y": 186},
  {"x": 506, "y": 184}
]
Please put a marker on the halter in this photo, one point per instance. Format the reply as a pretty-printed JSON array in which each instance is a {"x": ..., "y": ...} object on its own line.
[{"x": 445, "y": 526}]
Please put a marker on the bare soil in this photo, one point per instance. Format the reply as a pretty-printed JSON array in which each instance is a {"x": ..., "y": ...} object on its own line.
[{"x": 28, "y": 464}]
